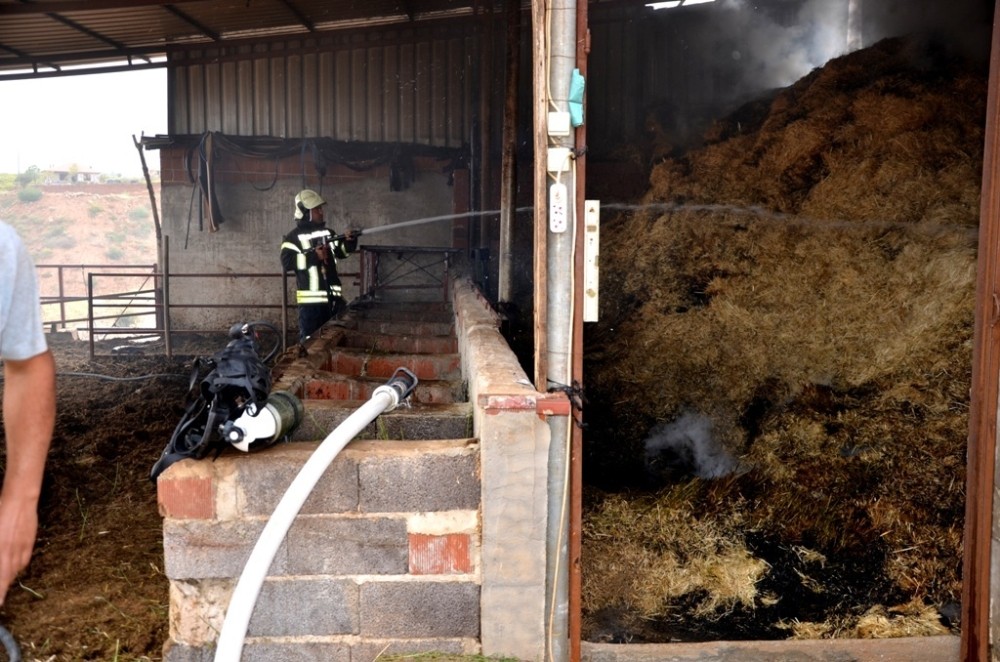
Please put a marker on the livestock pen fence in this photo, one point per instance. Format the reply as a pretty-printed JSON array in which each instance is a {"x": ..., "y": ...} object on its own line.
[{"x": 133, "y": 301}]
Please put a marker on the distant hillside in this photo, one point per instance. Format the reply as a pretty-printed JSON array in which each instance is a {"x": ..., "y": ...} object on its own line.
[{"x": 101, "y": 224}]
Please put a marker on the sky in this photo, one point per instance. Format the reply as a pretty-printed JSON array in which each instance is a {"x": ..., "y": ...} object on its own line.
[{"x": 87, "y": 120}]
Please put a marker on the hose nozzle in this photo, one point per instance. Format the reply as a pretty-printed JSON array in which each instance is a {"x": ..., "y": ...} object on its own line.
[{"x": 399, "y": 386}]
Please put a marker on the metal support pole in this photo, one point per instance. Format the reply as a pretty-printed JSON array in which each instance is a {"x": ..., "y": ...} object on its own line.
[
  {"x": 508, "y": 165},
  {"x": 561, "y": 285},
  {"x": 166, "y": 297}
]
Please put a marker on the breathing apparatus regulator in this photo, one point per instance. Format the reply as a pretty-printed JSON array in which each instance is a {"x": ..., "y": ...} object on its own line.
[{"x": 234, "y": 405}]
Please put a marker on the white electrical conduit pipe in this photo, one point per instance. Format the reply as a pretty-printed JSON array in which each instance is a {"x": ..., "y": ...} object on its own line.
[{"x": 241, "y": 605}]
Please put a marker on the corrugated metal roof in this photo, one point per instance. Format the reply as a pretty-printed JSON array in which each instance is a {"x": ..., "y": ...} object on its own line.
[{"x": 52, "y": 37}]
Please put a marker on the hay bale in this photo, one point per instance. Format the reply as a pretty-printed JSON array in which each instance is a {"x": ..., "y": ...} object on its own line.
[{"x": 807, "y": 284}]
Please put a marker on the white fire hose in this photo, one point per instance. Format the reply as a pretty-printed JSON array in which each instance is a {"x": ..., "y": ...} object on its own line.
[{"x": 241, "y": 605}]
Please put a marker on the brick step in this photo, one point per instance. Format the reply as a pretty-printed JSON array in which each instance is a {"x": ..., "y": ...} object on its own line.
[
  {"x": 416, "y": 422},
  {"x": 405, "y": 311},
  {"x": 333, "y": 386},
  {"x": 363, "y": 363},
  {"x": 411, "y": 343},
  {"x": 402, "y": 327}
]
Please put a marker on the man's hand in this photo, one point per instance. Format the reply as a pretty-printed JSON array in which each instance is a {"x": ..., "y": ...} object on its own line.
[
  {"x": 29, "y": 417},
  {"x": 18, "y": 529}
]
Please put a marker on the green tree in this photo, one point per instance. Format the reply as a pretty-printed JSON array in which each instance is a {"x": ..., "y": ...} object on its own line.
[{"x": 28, "y": 177}]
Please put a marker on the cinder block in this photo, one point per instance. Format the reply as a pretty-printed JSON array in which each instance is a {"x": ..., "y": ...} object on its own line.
[
  {"x": 198, "y": 610},
  {"x": 372, "y": 649},
  {"x": 262, "y": 479},
  {"x": 419, "y": 609},
  {"x": 177, "y": 652},
  {"x": 316, "y": 606},
  {"x": 415, "y": 482},
  {"x": 419, "y": 421},
  {"x": 300, "y": 651},
  {"x": 347, "y": 546},
  {"x": 197, "y": 549}
]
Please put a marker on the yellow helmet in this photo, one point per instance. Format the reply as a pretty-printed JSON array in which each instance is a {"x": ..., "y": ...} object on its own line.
[{"x": 305, "y": 200}]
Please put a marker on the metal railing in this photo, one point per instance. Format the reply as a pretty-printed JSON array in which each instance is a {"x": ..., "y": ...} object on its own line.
[
  {"x": 63, "y": 300},
  {"x": 382, "y": 268}
]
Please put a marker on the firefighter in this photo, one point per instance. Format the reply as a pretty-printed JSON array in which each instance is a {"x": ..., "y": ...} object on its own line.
[{"x": 311, "y": 250}]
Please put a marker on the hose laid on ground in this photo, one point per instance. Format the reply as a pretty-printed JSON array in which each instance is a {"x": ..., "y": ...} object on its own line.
[
  {"x": 385, "y": 398},
  {"x": 10, "y": 644}
]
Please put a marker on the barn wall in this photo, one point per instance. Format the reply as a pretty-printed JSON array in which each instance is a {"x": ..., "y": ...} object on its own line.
[
  {"x": 255, "y": 201},
  {"x": 376, "y": 87},
  {"x": 385, "y": 85}
]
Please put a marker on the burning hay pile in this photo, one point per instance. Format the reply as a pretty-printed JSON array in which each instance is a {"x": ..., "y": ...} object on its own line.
[{"x": 783, "y": 366}]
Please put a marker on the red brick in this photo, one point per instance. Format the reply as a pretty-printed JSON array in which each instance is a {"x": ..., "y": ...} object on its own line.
[
  {"x": 185, "y": 497},
  {"x": 440, "y": 555}
]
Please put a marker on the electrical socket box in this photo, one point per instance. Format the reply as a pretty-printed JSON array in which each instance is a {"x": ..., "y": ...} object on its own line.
[
  {"x": 591, "y": 258},
  {"x": 559, "y": 123},
  {"x": 558, "y": 159},
  {"x": 557, "y": 207}
]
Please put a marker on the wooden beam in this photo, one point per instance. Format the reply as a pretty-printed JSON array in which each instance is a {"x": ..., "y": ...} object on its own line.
[{"x": 981, "y": 454}]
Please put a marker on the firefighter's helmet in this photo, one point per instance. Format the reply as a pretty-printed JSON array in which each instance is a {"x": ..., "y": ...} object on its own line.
[{"x": 307, "y": 199}]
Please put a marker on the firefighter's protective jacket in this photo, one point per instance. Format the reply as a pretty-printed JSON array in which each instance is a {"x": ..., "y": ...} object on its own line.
[{"x": 316, "y": 281}]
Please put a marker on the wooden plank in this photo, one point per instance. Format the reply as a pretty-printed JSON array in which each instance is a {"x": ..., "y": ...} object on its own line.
[{"x": 981, "y": 454}]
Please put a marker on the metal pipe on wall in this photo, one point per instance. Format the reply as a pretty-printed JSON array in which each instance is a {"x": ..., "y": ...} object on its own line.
[
  {"x": 561, "y": 28},
  {"x": 576, "y": 441},
  {"x": 508, "y": 165}
]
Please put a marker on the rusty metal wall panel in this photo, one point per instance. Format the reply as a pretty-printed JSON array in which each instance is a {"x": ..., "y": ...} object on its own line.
[
  {"x": 244, "y": 98},
  {"x": 177, "y": 121},
  {"x": 407, "y": 93},
  {"x": 394, "y": 85},
  {"x": 376, "y": 93},
  {"x": 358, "y": 95},
  {"x": 342, "y": 85},
  {"x": 326, "y": 99},
  {"x": 393, "y": 104},
  {"x": 294, "y": 101},
  {"x": 423, "y": 115},
  {"x": 261, "y": 94}
]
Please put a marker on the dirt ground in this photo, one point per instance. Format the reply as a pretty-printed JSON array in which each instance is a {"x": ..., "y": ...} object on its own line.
[{"x": 95, "y": 588}]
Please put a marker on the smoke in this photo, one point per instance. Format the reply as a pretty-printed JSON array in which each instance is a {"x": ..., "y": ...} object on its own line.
[
  {"x": 771, "y": 48},
  {"x": 756, "y": 46},
  {"x": 688, "y": 445}
]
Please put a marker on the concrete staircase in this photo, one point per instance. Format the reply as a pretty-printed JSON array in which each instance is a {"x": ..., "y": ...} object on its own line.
[{"x": 360, "y": 352}]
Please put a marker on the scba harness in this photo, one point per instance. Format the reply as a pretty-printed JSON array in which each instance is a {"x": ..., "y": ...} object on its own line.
[{"x": 237, "y": 384}]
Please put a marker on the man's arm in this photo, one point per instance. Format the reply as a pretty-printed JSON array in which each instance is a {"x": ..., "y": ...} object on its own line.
[
  {"x": 289, "y": 252},
  {"x": 29, "y": 407}
]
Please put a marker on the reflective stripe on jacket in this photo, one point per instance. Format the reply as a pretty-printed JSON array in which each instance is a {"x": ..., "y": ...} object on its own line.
[{"x": 314, "y": 284}]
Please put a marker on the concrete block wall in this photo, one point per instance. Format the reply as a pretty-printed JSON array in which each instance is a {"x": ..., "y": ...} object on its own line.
[
  {"x": 510, "y": 419},
  {"x": 404, "y": 546},
  {"x": 384, "y": 555}
]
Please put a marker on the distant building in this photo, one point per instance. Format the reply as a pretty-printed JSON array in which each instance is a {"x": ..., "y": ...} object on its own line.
[{"x": 71, "y": 175}]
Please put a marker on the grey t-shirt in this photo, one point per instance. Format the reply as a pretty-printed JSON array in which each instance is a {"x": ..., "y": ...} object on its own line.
[{"x": 21, "y": 334}]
